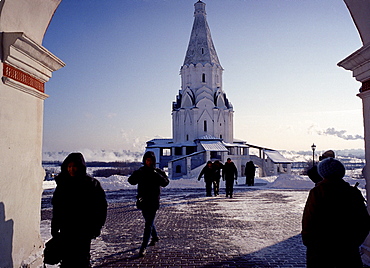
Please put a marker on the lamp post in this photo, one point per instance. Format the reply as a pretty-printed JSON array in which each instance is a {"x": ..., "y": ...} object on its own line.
[{"x": 313, "y": 147}]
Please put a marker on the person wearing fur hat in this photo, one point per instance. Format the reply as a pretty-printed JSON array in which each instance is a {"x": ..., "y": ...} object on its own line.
[
  {"x": 149, "y": 181},
  {"x": 79, "y": 211},
  {"x": 335, "y": 220},
  {"x": 312, "y": 173}
]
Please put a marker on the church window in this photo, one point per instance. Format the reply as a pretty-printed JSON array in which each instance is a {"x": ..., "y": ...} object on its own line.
[
  {"x": 178, "y": 169},
  {"x": 203, "y": 78},
  {"x": 202, "y": 50},
  {"x": 220, "y": 136},
  {"x": 178, "y": 151},
  {"x": 166, "y": 152},
  {"x": 205, "y": 125},
  {"x": 190, "y": 149},
  {"x": 187, "y": 137}
]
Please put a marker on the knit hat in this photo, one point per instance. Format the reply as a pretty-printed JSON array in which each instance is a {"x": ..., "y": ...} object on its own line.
[
  {"x": 328, "y": 153},
  {"x": 150, "y": 154},
  {"x": 331, "y": 169}
]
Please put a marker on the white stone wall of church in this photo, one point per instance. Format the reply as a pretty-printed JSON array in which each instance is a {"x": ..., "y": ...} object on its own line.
[{"x": 191, "y": 76}]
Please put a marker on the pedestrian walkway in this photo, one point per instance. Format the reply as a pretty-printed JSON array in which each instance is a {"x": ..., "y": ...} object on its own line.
[{"x": 259, "y": 227}]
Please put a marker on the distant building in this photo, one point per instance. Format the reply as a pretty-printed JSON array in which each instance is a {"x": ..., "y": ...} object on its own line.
[{"x": 202, "y": 115}]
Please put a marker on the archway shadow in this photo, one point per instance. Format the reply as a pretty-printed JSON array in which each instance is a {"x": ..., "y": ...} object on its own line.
[
  {"x": 6, "y": 239},
  {"x": 288, "y": 253}
]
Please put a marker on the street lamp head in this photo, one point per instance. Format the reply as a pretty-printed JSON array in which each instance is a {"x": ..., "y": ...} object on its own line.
[{"x": 313, "y": 147}]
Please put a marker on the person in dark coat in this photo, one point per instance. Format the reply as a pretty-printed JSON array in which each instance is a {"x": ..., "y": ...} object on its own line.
[
  {"x": 79, "y": 211},
  {"x": 312, "y": 172},
  {"x": 229, "y": 174},
  {"x": 217, "y": 166},
  {"x": 149, "y": 181},
  {"x": 335, "y": 220},
  {"x": 207, "y": 172},
  {"x": 249, "y": 173}
]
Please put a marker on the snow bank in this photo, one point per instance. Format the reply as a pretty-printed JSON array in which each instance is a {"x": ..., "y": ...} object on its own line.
[
  {"x": 285, "y": 181},
  {"x": 115, "y": 182}
]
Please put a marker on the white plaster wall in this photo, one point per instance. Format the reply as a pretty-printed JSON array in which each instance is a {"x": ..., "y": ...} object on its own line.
[
  {"x": 360, "y": 11},
  {"x": 358, "y": 63},
  {"x": 21, "y": 119},
  {"x": 365, "y": 96},
  {"x": 23, "y": 24},
  {"x": 29, "y": 16}
]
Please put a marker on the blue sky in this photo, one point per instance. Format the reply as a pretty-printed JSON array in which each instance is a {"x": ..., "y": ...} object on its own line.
[{"x": 280, "y": 72}]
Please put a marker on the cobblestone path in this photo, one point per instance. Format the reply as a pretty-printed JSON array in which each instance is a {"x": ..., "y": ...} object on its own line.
[{"x": 257, "y": 228}]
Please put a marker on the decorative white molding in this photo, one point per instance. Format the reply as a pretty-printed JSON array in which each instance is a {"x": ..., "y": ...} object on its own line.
[
  {"x": 27, "y": 65},
  {"x": 24, "y": 88},
  {"x": 359, "y": 63}
]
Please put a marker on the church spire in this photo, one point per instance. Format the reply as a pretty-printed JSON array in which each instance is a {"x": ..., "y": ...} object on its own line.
[{"x": 201, "y": 48}]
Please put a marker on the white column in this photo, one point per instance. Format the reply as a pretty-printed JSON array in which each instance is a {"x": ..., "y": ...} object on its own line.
[
  {"x": 170, "y": 169},
  {"x": 365, "y": 96},
  {"x": 289, "y": 169},
  {"x": 359, "y": 63},
  {"x": 188, "y": 167}
]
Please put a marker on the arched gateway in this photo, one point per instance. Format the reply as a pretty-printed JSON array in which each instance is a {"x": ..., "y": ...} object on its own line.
[{"x": 26, "y": 66}]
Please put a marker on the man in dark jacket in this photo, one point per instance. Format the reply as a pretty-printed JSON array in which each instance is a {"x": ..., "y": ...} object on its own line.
[
  {"x": 207, "y": 172},
  {"x": 335, "y": 220},
  {"x": 229, "y": 174},
  {"x": 149, "y": 180},
  {"x": 79, "y": 211}
]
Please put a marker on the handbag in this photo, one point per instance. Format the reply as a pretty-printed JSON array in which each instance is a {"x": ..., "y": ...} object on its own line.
[
  {"x": 139, "y": 202},
  {"x": 53, "y": 251}
]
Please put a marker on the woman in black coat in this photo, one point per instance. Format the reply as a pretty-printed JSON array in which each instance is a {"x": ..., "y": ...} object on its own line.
[
  {"x": 79, "y": 211},
  {"x": 149, "y": 180}
]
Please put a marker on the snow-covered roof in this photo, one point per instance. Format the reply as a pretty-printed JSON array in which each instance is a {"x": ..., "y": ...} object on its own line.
[
  {"x": 276, "y": 157},
  {"x": 239, "y": 141},
  {"x": 235, "y": 145},
  {"x": 208, "y": 137},
  {"x": 214, "y": 146},
  {"x": 161, "y": 140}
]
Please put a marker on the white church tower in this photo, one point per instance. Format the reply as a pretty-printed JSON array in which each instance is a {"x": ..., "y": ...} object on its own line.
[
  {"x": 202, "y": 116},
  {"x": 201, "y": 107}
]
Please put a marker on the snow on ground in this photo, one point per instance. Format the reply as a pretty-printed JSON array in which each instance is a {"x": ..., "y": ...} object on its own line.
[
  {"x": 283, "y": 181},
  {"x": 293, "y": 187},
  {"x": 292, "y": 191}
]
